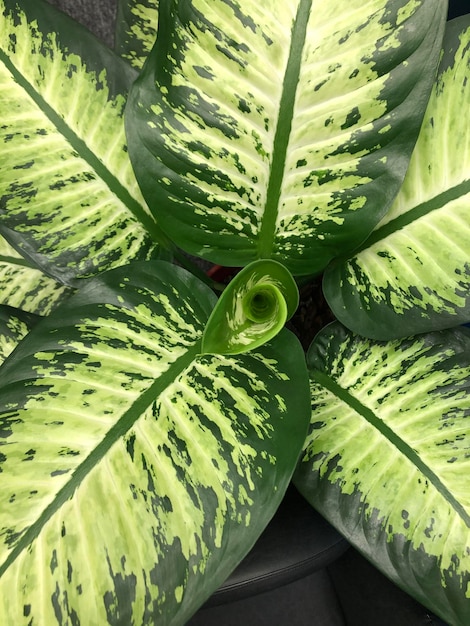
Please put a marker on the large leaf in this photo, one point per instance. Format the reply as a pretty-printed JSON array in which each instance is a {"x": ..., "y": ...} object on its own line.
[
  {"x": 24, "y": 286},
  {"x": 136, "y": 29},
  {"x": 136, "y": 472},
  {"x": 68, "y": 196},
  {"x": 283, "y": 129},
  {"x": 14, "y": 325},
  {"x": 387, "y": 457},
  {"x": 413, "y": 274}
]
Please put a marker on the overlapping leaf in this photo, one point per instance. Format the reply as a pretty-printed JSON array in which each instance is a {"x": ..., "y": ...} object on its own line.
[
  {"x": 68, "y": 196},
  {"x": 413, "y": 274},
  {"x": 135, "y": 472},
  {"x": 283, "y": 129},
  {"x": 26, "y": 287},
  {"x": 387, "y": 457},
  {"x": 136, "y": 29},
  {"x": 14, "y": 325}
]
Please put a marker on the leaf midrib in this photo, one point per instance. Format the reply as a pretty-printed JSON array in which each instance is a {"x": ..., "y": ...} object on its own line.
[
  {"x": 404, "y": 448},
  {"x": 283, "y": 131},
  {"x": 17, "y": 261},
  {"x": 114, "y": 434}
]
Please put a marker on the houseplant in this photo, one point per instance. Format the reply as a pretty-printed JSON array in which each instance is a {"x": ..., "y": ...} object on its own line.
[{"x": 137, "y": 467}]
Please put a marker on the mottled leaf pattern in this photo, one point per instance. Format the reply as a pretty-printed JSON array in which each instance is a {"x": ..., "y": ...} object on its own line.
[
  {"x": 413, "y": 274},
  {"x": 26, "y": 287},
  {"x": 280, "y": 129},
  {"x": 68, "y": 196},
  {"x": 252, "y": 309},
  {"x": 136, "y": 29},
  {"x": 387, "y": 458},
  {"x": 135, "y": 472},
  {"x": 14, "y": 325}
]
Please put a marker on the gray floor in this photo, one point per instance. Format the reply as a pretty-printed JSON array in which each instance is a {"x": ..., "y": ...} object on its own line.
[{"x": 98, "y": 16}]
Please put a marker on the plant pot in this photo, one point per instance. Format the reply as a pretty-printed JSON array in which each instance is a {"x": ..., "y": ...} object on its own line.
[{"x": 284, "y": 579}]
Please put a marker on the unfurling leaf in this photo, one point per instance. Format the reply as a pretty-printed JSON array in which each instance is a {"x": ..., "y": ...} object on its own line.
[{"x": 252, "y": 309}]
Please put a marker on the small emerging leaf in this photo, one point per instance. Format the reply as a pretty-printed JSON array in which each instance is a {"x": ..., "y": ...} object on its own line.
[{"x": 252, "y": 309}]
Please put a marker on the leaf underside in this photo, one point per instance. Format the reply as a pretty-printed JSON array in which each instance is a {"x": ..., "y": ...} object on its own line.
[
  {"x": 68, "y": 197},
  {"x": 136, "y": 473},
  {"x": 386, "y": 459},
  {"x": 283, "y": 129},
  {"x": 413, "y": 274}
]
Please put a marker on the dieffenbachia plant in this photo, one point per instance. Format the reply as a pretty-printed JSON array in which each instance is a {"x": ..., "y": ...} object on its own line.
[{"x": 148, "y": 430}]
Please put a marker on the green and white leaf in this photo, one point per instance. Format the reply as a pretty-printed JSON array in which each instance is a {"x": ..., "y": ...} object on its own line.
[
  {"x": 413, "y": 274},
  {"x": 283, "y": 129},
  {"x": 136, "y": 472},
  {"x": 25, "y": 287},
  {"x": 68, "y": 196},
  {"x": 252, "y": 309},
  {"x": 387, "y": 457},
  {"x": 136, "y": 29},
  {"x": 14, "y": 325}
]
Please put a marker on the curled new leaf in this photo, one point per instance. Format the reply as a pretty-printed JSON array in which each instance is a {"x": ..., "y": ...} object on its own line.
[{"x": 252, "y": 309}]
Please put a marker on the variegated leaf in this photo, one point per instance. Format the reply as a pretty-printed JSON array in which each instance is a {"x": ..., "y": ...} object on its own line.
[
  {"x": 136, "y": 29},
  {"x": 282, "y": 129},
  {"x": 252, "y": 309},
  {"x": 68, "y": 196},
  {"x": 26, "y": 287},
  {"x": 387, "y": 458},
  {"x": 136, "y": 472},
  {"x": 14, "y": 325},
  {"x": 413, "y": 274}
]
